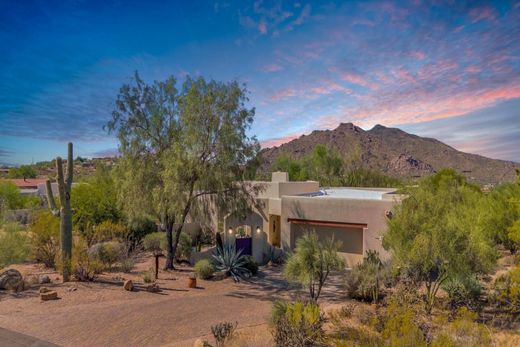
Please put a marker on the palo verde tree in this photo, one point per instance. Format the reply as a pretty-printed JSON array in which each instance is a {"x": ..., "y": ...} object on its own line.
[
  {"x": 184, "y": 152},
  {"x": 64, "y": 212},
  {"x": 436, "y": 233}
]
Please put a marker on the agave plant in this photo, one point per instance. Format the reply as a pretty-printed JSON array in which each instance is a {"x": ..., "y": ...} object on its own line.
[{"x": 232, "y": 262}]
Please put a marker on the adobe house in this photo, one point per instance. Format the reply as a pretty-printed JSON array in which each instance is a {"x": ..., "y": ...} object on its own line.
[{"x": 355, "y": 216}]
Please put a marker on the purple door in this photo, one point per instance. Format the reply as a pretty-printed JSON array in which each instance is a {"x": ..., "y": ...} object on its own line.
[{"x": 244, "y": 244}]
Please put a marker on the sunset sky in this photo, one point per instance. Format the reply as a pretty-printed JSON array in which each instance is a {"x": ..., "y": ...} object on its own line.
[{"x": 440, "y": 69}]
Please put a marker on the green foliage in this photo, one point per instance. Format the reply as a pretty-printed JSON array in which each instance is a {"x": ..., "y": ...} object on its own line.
[
  {"x": 463, "y": 331},
  {"x": 312, "y": 262},
  {"x": 330, "y": 168},
  {"x": 251, "y": 265},
  {"x": 155, "y": 242},
  {"x": 45, "y": 238},
  {"x": 83, "y": 267},
  {"x": 297, "y": 324},
  {"x": 95, "y": 201},
  {"x": 184, "y": 152},
  {"x": 140, "y": 227},
  {"x": 463, "y": 291},
  {"x": 366, "y": 279},
  {"x": 506, "y": 292},
  {"x": 184, "y": 248},
  {"x": 127, "y": 264},
  {"x": 24, "y": 171},
  {"x": 108, "y": 253},
  {"x": 223, "y": 332},
  {"x": 232, "y": 262},
  {"x": 13, "y": 244},
  {"x": 435, "y": 233},
  {"x": 109, "y": 231},
  {"x": 12, "y": 199},
  {"x": 148, "y": 276},
  {"x": 400, "y": 330},
  {"x": 204, "y": 269}
]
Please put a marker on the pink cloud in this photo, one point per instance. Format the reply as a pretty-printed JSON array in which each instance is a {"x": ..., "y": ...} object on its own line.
[
  {"x": 271, "y": 68},
  {"x": 473, "y": 69},
  {"x": 482, "y": 13},
  {"x": 277, "y": 141},
  {"x": 283, "y": 94},
  {"x": 262, "y": 27},
  {"x": 418, "y": 55},
  {"x": 329, "y": 87},
  {"x": 359, "y": 80}
]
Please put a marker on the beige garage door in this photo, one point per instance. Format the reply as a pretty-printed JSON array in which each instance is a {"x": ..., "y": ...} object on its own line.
[{"x": 351, "y": 239}]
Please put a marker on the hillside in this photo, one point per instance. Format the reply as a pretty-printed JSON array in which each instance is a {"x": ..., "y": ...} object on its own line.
[{"x": 397, "y": 153}]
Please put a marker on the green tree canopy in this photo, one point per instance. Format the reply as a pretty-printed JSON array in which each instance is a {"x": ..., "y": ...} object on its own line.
[
  {"x": 184, "y": 152},
  {"x": 435, "y": 232},
  {"x": 24, "y": 171}
]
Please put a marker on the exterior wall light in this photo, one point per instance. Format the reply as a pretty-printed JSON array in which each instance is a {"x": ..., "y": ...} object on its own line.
[
  {"x": 258, "y": 230},
  {"x": 230, "y": 230}
]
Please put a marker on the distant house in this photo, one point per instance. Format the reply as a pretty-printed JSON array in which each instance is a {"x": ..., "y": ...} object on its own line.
[{"x": 27, "y": 186}]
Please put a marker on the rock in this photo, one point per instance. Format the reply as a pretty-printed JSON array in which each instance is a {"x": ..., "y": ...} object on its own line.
[
  {"x": 45, "y": 290},
  {"x": 45, "y": 279},
  {"x": 128, "y": 285},
  {"x": 72, "y": 289},
  {"x": 153, "y": 288},
  {"x": 219, "y": 275},
  {"x": 50, "y": 295},
  {"x": 11, "y": 279},
  {"x": 201, "y": 343}
]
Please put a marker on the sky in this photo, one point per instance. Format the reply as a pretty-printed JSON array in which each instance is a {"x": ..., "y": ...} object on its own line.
[{"x": 443, "y": 69}]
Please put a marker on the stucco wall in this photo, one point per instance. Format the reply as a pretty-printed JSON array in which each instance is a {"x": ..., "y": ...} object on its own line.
[{"x": 369, "y": 212}]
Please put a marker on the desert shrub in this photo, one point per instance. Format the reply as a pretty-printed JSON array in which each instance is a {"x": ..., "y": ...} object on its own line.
[
  {"x": 138, "y": 228},
  {"x": 148, "y": 276},
  {"x": 345, "y": 332},
  {"x": 184, "y": 247},
  {"x": 366, "y": 279},
  {"x": 13, "y": 244},
  {"x": 204, "y": 269},
  {"x": 108, "y": 253},
  {"x": 223, "y": 332},
  {"x": 463, "y": 331},
  {"x": 505, "y": 293},
  {"x": 400, "y": 329},
  {"x": 83, "y": 267},
  {"x": 297, "y": 324},
  {"x": 274, "y": 255},
  {"x": 227, "y": 259},
  {"x": 127, "y": 264},
  {"x": 463, "y": 291},
  {"x": 155, "y": 242},
  {"x": 312, "y": 262},
  {"x": 45, "y": 238},
  {"x": 109, "y": 231},
  {"x": 251, "y": 265}
]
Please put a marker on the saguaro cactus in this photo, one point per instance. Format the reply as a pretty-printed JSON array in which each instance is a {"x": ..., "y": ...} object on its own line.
[{"x": 64, "y": 212}]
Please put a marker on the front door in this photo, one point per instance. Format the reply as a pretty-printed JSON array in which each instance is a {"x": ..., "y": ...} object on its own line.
[{"x": 274, "y": 230}]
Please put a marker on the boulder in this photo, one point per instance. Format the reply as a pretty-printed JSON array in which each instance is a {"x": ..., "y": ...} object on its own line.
[
  {"x": 11, "y": 279},
  {"x": 153, "y": 288},
  {"x": 50, "y": 295},
  {"x": 201, "y": 343},
  {"x": 45, "y": 290},
  {"x": 128, "y": 285},
  {"x": 45, "y": 279}
]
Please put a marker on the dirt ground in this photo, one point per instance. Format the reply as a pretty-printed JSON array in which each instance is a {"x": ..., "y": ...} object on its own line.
[{"x": 103, "y": 314}]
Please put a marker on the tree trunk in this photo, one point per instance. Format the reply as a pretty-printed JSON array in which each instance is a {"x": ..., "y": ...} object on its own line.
[
  {"x": 177, "y": 238},
  {"x": 170, "y": 251}
]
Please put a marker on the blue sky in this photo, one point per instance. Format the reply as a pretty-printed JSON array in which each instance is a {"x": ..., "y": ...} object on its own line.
[{"x": 449, "y": 70}]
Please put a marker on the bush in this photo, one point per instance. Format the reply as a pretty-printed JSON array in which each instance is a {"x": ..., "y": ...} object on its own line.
[
  {"x": 232, "y": 262},
  {"x": 127, "y": 264},
  {"x": 506, "y": 292},
  {"x": 463, "y": 331},
  {"x": 109, "y": 231},
  {"x": 155, "y": 242},
  {"x": 108, "y": 253},
  {"x": 297, "y": 324},
  {"x": 184, "y": 247},
  {"x": 223, "y": 332},
  {"x": 204, "y": 269},
  {"x": 400, "y": 330},
  {"x": 45, "y": 238},
  {"x": 463, "y": 291},
  {"x": 251, "y": 265},
  {"x": 83, "y": 267},
  {"x": 366, "y": 279},
  {"x": 138, "y": 228},
  {"x": 148, "y": 276},
  {"x": 13, "y": 245}
]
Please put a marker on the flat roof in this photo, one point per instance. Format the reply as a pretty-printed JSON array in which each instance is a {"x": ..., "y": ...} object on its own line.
[{"x": 354, "y": 193}]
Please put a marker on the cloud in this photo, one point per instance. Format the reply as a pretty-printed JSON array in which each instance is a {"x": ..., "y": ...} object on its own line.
[
  {"x": 271, "y": 68},
  {"x": 274, "y": 142},
  {"x": 109, "y": 152},
  {"x": 5, "y": 153}
]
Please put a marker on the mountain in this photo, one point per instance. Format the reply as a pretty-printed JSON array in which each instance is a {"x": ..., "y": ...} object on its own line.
[{"x": 397, "y": 153}]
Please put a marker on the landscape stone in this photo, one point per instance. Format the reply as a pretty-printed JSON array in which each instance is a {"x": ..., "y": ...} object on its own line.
[
  {"x": 11, "y": 279},
  {"x": 128, "y": 285},
  {"x": 153, "y": 288},
  {"x": 45, "y": 279},
  {"x": 44, "y": 290},
  {"x": 50, "y": 295}
]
